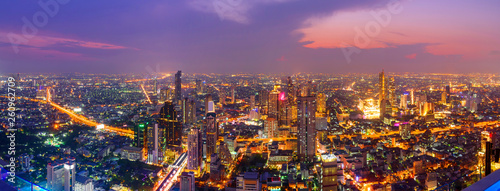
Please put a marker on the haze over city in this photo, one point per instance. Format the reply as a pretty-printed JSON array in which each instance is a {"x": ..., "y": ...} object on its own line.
[{"x": 251, "y": 36}]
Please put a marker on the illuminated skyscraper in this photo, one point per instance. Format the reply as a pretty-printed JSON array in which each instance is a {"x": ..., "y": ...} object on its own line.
[
  {"x": 321, "y": 101},
  {"x": 290, "y": 92},
  {"x": 166, "y": 94},
  {"x": 263, "y": 102},
  {"x": 405, "y": 130},
  {"x": 382, "y": 87},
  {"x": 212, "y": 130},
  {"x": 222, "y": 97},
  {"x": 194, "y": 150},
  {"x": 155, "y": 156},
  {"x": 306, "y": 124},
  {"x": 170, "y": 128},
  {"x": 178, "y": 86},
  {"x": 188, "y": 111},
  {"x": 61, "y": 175},
  {"x": 252, "y": 102},
  {"x": 274, "y": 102},
  {"x": 233, "y": 95},
  {"x": 328, "y": 174},
  {"x": 208, "y": 98},
  {"x": 392, "y": 92},
  {"x": 199, "y": 86},
  {"x": 271, "y": 127},
  {"x": 140, "y": 135}
]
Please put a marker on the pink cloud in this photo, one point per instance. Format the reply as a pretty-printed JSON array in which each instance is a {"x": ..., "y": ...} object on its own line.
[
  {"x": 444, "y": 34},
  {"x": 411, "y": 56},
  {"x": 282, "y": 59}
]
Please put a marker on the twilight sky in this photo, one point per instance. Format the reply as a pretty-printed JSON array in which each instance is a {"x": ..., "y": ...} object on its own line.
[{"x": 226, "y": 36}]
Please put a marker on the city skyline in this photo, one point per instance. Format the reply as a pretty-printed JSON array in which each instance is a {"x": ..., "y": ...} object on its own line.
[{"x": 263, "y": 36}]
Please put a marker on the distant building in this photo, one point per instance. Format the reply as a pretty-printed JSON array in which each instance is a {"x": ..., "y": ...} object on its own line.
[
  {"x": 405, "y": 130},
  {"x": 194, "y": 150},
  {"x": 382, "y": 88},
  {"x": 328, "y": 175},
  {"x": 212, "y": 130},
  {"x": 248, "y": 181},
  {"x": 187, "y": 181},
  {"x": 131, "y": 153},
  {"x": 171, "y": 129},
  {"x": 140, "y": 135},
  {"x": 178, "y": 86},
  {"x": 61, "y": 175},
  {"x": 83, "y": 183},
  {"x": 306, "y": 124},
  {"x": 155, "y": 156}
]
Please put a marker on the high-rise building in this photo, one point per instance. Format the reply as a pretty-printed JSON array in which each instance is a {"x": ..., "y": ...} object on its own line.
[
  {"x": 194, "y": 150},
  {"x": 252, "y": 102},
  {"x": 290, "y": 91},
  {"x": 166, "y": 94},
  {"x": 187, "y": 181},
  {"x": 382, "y": 87},
  {"x": 248, "y": 181},
  {"x": 188, "y": 111},
  {"x": 306, "y": 124},
  {"x": 212, "y": 130},
  {"x": 83, "y": 183},
  {"x": 170, "y": 128},
  {"x": 208, "y": 98},
  {"x": 199, "y": 89},
  {"x": 328, "y": 175},
  {"x": 443, "y": 97},
  {"x": 263, "y": 102},
  {"x": 153, "y": 147},
  {"x": 321, "y": 103},
  {"x": 216, "y": 169},
  {"x": 61, "y": 175},
  {"x": 404, "y": 101},
  {"x": 233, "y": 95},
  {"x": 271, "y": 127},
  {"x": 405, "y": 130},
  {"x": 274, "y": 102},
  {"x": 178, "y": 86},
  {"x": 392, "y": 93},
  {"x": 222, "y": 97},
  {"x": 140, "y": 135}
]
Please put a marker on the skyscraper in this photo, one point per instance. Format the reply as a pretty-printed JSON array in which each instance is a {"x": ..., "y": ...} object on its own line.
[
  {"x": 188, "y": 111},
  {"x": 392, "y": 93},
  {"x": 306, "y": 124},
  {"x": 194, "y": 150},
  {"x": 290, "y": 91},
  {"x": 274, "y": 102},
  {"x": 61, "y": 175},
  {"x": 233, "y": 95},
  {"x": 155, "y": 156},
  {"x": 170, "y": 128},
  {"x": 140, "y": 135},
  {"x": 382, "y": 88},
  {"x": 321, "y": 102},
  {"x": 328, "y": 175},
  {"x": 187, "y": 181},
  {"x": 252, "y": 102},
  {"x": 178, "y": 86},
  {"x": 212, "y": 130},
  {"x": 208, "y": 98}
]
